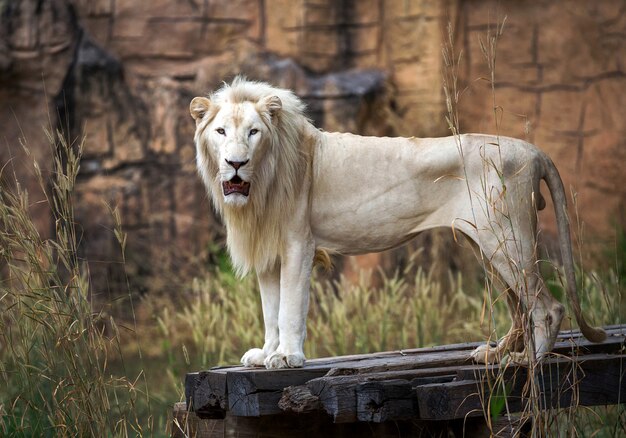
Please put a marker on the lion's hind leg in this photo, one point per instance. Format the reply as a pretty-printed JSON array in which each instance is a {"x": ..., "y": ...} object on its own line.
[
  {"x": 512, "y": 342},
  {"x": 536, "y": 315}
]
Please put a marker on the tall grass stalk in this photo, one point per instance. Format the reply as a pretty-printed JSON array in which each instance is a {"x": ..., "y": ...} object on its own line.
[
  {"x": 53, "y": 347},
  {"x": 607, "y": 309}
]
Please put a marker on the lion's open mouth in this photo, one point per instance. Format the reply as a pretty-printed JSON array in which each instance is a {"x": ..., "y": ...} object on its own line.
[{"x": 236, "y": 185}]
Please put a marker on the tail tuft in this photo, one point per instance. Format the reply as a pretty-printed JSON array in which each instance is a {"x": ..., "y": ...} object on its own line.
[{"x": 594, "y": 334}]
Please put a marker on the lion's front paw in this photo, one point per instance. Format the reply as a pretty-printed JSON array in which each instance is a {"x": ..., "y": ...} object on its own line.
[
  {"x": 254, "y": 357},
  {"x": 278, "y": 360},
  {"x": 485, "y": 354}
]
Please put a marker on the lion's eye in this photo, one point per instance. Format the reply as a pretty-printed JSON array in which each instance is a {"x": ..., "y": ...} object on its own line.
[
  {"x": 253, "y": 131},
  {"x": 221, "y": 131}
]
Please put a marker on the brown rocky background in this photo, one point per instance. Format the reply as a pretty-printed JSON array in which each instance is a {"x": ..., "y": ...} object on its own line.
[{"x": 121, "y": 73}]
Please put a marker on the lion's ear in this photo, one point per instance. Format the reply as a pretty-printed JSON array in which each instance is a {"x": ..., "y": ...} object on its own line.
[
  {"x": 272, "y": 104},
  {"x": 199, "y": 107}
]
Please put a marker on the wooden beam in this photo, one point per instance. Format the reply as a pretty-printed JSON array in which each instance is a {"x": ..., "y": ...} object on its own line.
[
  {"x": 588, "y": 381},
  {"x": 256, "y": 391},
  {"x": 205, "y": 393}
]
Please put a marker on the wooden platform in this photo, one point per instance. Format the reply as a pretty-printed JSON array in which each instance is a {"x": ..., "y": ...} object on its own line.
[{"x": 424, "y": 388}]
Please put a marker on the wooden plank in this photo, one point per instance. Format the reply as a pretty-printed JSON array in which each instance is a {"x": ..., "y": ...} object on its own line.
[
  {"x": 338, "y": 394},
  {"x": 391, "y": 400},
  {"x": 255, "y": 391},
  {"x": 398, "y": 409},
  {"x": 205, "y": 392},
  {"x": 212, "y": 389},
  {"x": 580, "y": 348},
  {"x": 382, "y": 401},
  {"x": 258, "y": 391},
  {"x": 589, "y": 381},
  {"x": 613, "y": 329},
  {"x": 579, "y": 345}
]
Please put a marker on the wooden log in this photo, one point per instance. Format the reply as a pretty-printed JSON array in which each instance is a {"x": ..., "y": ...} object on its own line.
[
  {"x": 338, "y": 395},
  {"x": 576, "y": 346},
  {"x": 563, "y": 351},
  {"x": 382, "y": 401},
  {"x": 391, "y": 399},
  {"x": 299, "y": 399},
  {"x": 589, "y": 381},
  {"x": 614, "y": 329},
  {"x": 256, "y": 391},
  {"x": 337, "y": 390},
  {"x": 205, "y": 393}
]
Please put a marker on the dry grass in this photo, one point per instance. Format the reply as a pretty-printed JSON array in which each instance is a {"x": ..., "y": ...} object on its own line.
[
  {"x": 220, "y": 317},
  {"x": 53, "y": 350}
]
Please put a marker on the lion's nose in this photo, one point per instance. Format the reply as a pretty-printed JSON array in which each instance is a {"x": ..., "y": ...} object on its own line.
[{"x": 237, "y": 164}]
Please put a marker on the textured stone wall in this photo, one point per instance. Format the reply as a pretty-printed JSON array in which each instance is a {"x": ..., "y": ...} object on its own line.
[
  {"x": 122, "y": 73},
  {"x": 560, "y": 83}
]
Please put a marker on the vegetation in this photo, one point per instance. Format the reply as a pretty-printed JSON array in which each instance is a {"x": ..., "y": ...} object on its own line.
[{"x": 54, "y": 353}]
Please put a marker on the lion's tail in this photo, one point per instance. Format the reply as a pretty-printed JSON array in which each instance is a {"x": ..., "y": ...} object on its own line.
[{"x": 555, "y": 184}]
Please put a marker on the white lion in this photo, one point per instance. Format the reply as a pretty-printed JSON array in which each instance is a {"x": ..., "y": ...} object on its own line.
[{"x": 289, "y": 193}]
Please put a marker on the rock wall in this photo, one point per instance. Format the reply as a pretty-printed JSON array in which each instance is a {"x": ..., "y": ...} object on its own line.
[
  {"x": 121, "y": 73},
  {"x": 560, "y": 83}
]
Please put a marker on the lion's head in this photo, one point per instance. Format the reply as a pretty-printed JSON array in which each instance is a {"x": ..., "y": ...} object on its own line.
[{"x": 249, "y": 154}]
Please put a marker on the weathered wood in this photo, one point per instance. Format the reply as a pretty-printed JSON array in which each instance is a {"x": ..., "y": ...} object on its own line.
[
  {"x": 205, "y": 393},
  {"x": 574, "y": 346},
  {"x": 256, "y": 391},
  {"x": 428, "y": 391},
  {"x": 589, "y": 381},
  {"x": 391, "y": 399},
  {"x": 338, "y": 394},
  {"x": 299, "y": 399},
  {"x": 382, "y": 401},
  {"x": 406, "y": 361},
  {"x": 563, "y": 351}
]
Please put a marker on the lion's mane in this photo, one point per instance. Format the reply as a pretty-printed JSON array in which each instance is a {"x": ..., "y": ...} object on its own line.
[{"x": 255, "y": 231}]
